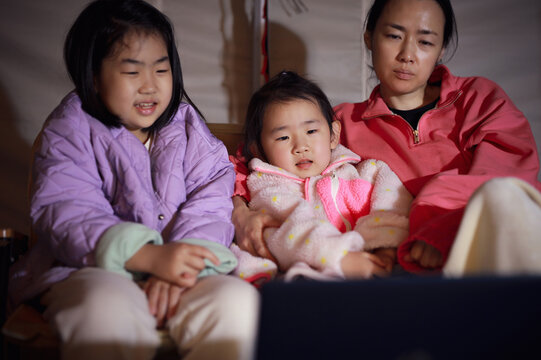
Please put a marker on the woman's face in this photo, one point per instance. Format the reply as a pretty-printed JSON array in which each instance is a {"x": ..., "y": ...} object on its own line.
[{"x": 406, "y": 44}]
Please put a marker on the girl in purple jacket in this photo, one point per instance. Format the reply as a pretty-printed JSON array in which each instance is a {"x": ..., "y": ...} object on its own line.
[{"x": 131, "y": 203}]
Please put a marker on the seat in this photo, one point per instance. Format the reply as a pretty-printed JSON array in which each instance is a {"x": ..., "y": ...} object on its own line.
[{"x": 26, "y": 334}]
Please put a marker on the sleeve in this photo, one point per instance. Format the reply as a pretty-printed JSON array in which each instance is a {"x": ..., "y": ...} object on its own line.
[
  {"x": 209, "y": 178},
  {"x": 497, "y": 140},
  {"x": 241, "y": 174},
  {"x": 68, "y": 207},
  {"x": 386, "y": 225}
]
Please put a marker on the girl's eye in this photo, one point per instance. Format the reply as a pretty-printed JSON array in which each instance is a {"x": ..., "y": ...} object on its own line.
[
  {"x": 282, "y": 138},
  {"x": 130, "y": 72},
  {"x": 313, "y": 131},
  {"x": 163, "y": 71}
]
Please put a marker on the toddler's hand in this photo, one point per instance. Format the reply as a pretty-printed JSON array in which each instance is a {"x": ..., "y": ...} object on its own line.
[
  {"x": 362, "y": 265},
  {"x": 387, "y": 257},
  {"x": 163, "y": 299}
]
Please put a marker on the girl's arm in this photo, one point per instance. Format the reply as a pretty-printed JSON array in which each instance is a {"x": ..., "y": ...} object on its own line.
[
  {"x": 209, "y": 178},
  {"x": 68, "y": 207}
]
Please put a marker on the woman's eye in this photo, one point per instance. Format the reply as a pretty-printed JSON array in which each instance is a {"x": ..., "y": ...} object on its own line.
[
  {"x": 393, "y": 36},
  {"x": 424, "y": 42},
  {"x": 163, "y": 71},
  {"x": 130, "y": 72}
]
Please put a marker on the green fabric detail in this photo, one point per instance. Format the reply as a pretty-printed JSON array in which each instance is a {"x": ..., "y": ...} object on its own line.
[
  {"x": 120, "y": 242},
  {"x": 228, "y": 261}
]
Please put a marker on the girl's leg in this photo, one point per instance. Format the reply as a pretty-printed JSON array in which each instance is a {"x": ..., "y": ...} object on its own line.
[
  {"x": 217, "y": 319},
  {"x": 101, "y": 315},
  {"x": 499, "y": 233}
]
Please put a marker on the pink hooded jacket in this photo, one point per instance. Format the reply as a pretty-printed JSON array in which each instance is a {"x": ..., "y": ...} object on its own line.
[{"x": 320, "y": 212}]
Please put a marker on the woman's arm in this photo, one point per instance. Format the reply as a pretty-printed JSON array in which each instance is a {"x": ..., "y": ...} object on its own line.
[{"x": 249, "y": 226}]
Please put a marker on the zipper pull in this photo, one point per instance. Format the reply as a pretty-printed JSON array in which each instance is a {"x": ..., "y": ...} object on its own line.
[{"x": 415, "y": 136}]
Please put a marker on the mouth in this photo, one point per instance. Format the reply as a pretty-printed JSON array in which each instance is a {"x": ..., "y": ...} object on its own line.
[
  {"x": 403, "y": 74},
  {"x": 146, "y": 108},
  {"x": 304, "y": 164}
]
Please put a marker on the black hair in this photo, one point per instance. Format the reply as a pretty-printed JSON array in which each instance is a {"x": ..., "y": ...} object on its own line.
[
  {"x": 93, "y": 37},
  {"x": 282, "y": 88},
  {"x": 450, "y": 34}
]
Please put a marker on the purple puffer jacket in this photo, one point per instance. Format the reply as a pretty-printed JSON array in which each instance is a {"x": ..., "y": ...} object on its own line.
[{"x": 87, "y": 177}]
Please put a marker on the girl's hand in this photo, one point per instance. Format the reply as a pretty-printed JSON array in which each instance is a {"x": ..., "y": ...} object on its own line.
[
  {"x": 425, "y": 255},
  {"x": 176, "y": 263},
  {"x": 249, "y": 226},
  {"x": 362, "y": 265},
  {"x": 387, "y": 257},
  {"x": 163, "y": 299}
]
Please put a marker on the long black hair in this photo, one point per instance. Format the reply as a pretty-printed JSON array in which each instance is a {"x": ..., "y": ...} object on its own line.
[
  {"x": 282, "y": 88},
  {"x": 93, "y": 36}
]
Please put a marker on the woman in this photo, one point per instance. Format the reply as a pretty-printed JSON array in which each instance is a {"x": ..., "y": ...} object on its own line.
[{"x": 443, "y": 135}]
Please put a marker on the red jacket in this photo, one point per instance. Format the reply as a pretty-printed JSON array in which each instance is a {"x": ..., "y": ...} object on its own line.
[{"x": 475, "y": 133}]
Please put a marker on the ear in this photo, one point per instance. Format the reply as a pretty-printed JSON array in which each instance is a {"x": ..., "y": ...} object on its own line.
[
  {"x": 335, "y": 137},
  {"x": 368, "y": 40},
  {"x": 442, "y": 52}
]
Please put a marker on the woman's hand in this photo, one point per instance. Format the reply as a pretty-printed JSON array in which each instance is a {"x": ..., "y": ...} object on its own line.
[
  {"x": 249, "y": 226},
  {"x": 425, "y": 255},
  {"x": 163, "y": 299},
  {"x": 176, "y": 263}
]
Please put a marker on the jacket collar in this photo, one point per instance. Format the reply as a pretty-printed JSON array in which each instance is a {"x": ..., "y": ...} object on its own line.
[
  {"x": 339, "y": 156},
  {"x": 449, "y": 92}
]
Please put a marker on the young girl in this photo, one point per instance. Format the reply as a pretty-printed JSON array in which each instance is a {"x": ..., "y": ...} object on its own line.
[
  {"x": 318, "y": 189},
  {"x": 448, "y": 138},
  {"x": 128, "y": 184}
]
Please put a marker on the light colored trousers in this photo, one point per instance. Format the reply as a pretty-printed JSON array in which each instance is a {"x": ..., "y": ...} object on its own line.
[
  {"x": 500, "y": 233},
  {"x": 103, "y": 315}
]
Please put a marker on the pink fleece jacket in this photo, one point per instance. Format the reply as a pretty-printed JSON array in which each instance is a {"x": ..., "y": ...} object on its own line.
[{"x": 319, "y": 213}]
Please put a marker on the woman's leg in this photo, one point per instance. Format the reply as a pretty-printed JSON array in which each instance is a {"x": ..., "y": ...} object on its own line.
[
  {"x": 101, "y": 315},
  {"x": 217, "y": 319},
  {"x": 500, "y": 231}
]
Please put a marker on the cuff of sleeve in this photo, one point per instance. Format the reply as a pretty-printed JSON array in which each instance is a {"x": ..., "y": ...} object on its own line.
[
  {"x": 228, "y": 260},
  {"x": 120, "y": 242}
]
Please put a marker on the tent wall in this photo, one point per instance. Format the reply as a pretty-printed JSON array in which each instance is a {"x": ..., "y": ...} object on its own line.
[{"x": 498, "y": 39}]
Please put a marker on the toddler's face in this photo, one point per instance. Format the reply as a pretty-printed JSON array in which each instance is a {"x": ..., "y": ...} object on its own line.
[
  {"x": 297, "y": 138},
  {"x": 135, "y": 82}
]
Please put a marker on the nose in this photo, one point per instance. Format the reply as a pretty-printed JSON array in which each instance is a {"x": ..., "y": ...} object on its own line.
[
  {"x": 300, "y": 147},
  {"x": 148, "y": 84},
  {"x": 407, "y": 52}
]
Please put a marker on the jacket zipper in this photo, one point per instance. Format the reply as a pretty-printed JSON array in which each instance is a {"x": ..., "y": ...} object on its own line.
[{"x": 335, "y": 185}]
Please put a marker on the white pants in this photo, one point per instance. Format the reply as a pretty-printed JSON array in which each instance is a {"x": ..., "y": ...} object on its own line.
[
  {"x": 500, "y": 233},
  {"x": 102, "y": 315}
]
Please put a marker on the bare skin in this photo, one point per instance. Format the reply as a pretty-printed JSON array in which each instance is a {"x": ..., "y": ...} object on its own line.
[{"x": 174, "y": 267}]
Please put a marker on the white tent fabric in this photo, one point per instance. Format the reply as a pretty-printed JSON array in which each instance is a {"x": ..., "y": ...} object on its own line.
[{"x": 498, "y": 39}]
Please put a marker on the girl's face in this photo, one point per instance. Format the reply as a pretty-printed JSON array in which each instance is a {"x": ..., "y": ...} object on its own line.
[
  {"x": 296, "y": 137},
  {"x": 135, "y": 82},
  {"x": 406, "y": 44}
]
